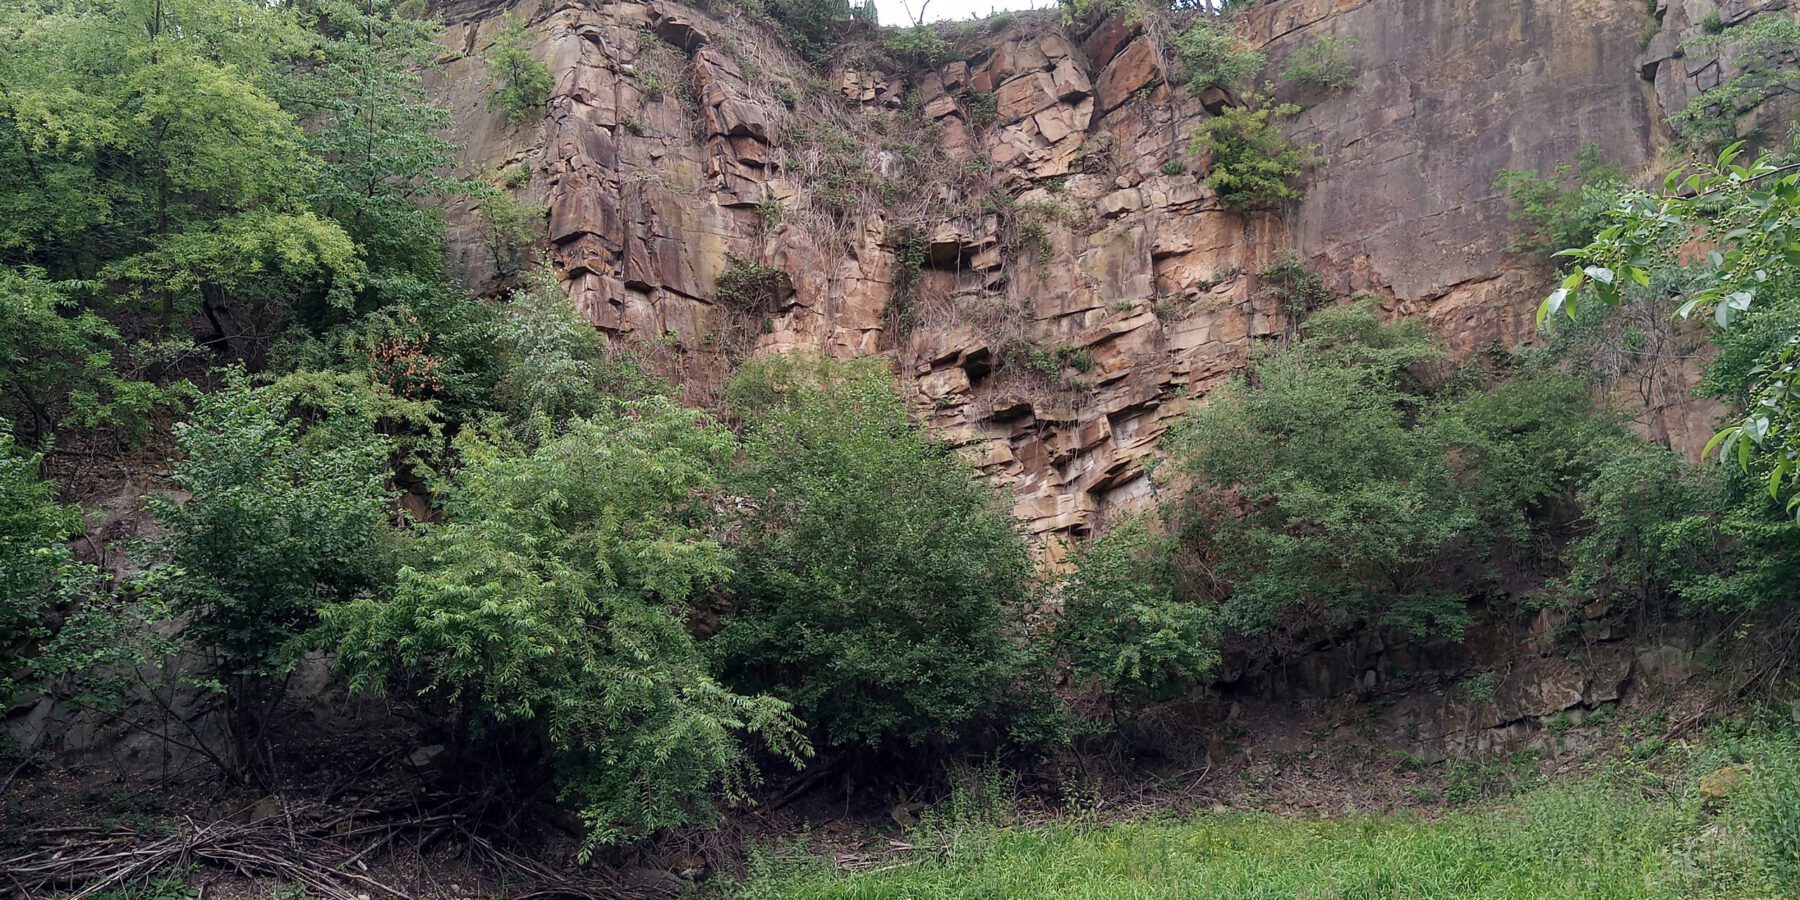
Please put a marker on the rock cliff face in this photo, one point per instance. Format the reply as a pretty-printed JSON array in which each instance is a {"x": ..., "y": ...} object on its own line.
[{"x": 1020, "y": 228}]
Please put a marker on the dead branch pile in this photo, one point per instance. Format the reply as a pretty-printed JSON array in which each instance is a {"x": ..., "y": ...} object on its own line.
[{"x": 321, "y": 848}]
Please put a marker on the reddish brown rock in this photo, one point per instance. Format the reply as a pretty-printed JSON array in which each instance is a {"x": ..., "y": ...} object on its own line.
[{"x": 1134, "y": 68}]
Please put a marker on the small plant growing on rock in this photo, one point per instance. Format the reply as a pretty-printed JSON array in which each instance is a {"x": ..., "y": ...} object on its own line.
[
  {"x": 1326, "y": 64},
  {"x": 1077, "y": 358},
  {"x": 1174, "y": 167},
  {"x": 980, "y": 108},
  {"x": 1294, "y": 287},
  {"x": 521, "y": 83},
  {"x": 770, "y": 211},
  {"x": 1211, "y": 56},
  {"x": 748, "y": 285},
  {"x": 512, "y": 228},
  {"x": 1254, "y": 164}
]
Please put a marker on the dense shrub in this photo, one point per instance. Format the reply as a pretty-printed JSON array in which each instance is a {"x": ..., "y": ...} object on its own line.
[
  {"x": 1349, "y": 506},
  {"x": 287, "y": 513},
  {"x": 1128, "y": 625},
  {"x": 1347, "y": 479},
  {"x": 553, "y": 605},
  {"x": 1326, "y": 64},
  {"x": 62, "y": 366},
  {"x": 879, "y": 577},
  {"x": 33, "y": 527},
  {"x": 1211, "y": 56},
  {"x": 1254, "y": 164},
  {"x": 552, "y": 365}
]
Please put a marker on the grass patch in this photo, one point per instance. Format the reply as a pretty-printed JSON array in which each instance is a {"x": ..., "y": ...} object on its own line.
[{"x": 1639, "y": 831}]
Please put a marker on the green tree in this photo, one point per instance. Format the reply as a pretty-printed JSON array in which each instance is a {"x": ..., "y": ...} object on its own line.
[
  {"x": 60, "y": 364},
  {"x": 1348, "y": 506},
  {"x": 1750, "y": 215},
  {"x": 288, "y": 513},
  {"x": 879, "y": 577},
  {"x": 146, "y": 152},
  {"x": 375, "y": 132},
  {"x": 553, "y": 365},
  {"x": 521, "y": 84},
  {"x": 554, "y": 602}
]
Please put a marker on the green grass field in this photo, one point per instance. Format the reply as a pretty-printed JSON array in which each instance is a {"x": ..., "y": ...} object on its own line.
[{"x": 1641, "y": 829}]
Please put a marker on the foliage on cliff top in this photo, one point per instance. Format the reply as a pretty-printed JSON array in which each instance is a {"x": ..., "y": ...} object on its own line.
[{"x": 1210, "y": 55}]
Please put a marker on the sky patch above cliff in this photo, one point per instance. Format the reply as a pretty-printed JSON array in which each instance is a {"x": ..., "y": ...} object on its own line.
[{"x": 905, "y": 12}]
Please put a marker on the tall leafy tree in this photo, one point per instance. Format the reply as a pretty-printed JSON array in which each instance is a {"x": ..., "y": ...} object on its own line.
[
  {"x": 153, "y": 157},
  {"x": 374, "y": 131}
]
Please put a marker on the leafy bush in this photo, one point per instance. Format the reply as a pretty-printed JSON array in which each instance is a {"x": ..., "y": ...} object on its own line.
[
  {"x": 553, "y": 365},
  {"x": 1349, "y": 506},
  {"x": 553, "y": 603},
  {"x": 288, "y": 513},
  {"x": 1343, "y": 481},
  {"x": 1211, "y": 56},
  {"x": 520, "y": 84},
  {"x": 981, "y": 107},
  {"x": 33, "y": 527},
  {"x": 62, "y": 365},
  {"x": 879, "y": 578},
  {"x": 1565, "y": 208},
  {"x": 1749, "y": 215},
  {"x": 752, "y": 286},
  {"x": 1296, "y": 289},
  {"x": 1127, "y": 624},
  {"x": 1254, "y": 165},
  {"x": 918, "y": 45},
  {"x": 1326, "y": 64}
]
